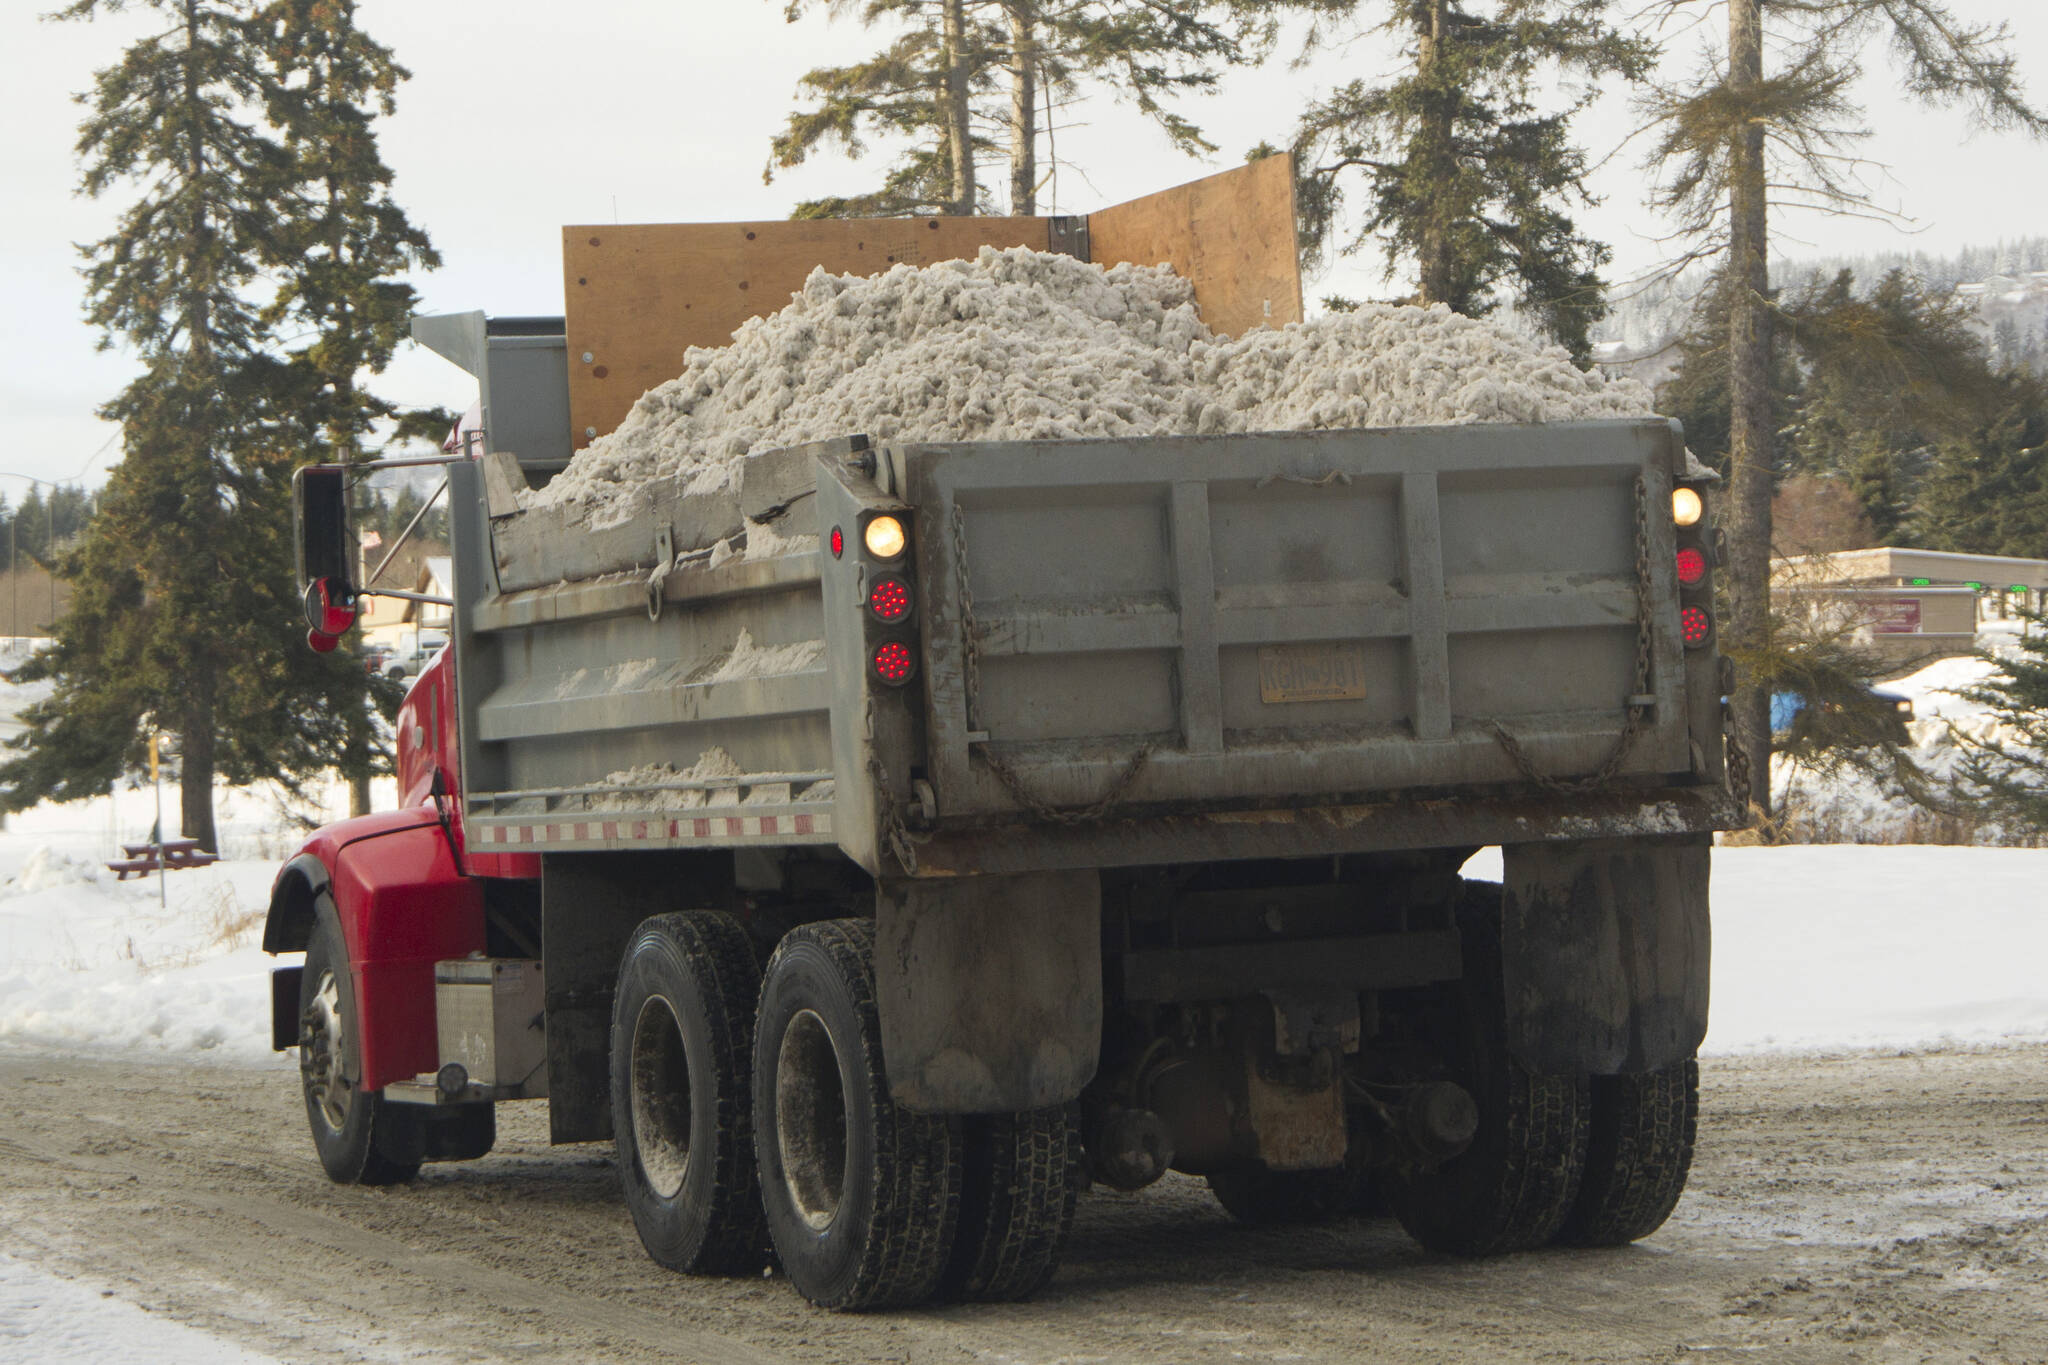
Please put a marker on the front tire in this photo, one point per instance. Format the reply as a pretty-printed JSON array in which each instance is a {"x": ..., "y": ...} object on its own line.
[
  {"x": 362, "y": 1138},
  {"x": 682, "y": 1046},
  {"x": 862, "y": 1195},
  {"x": 1512, "y": 1188},
  {"x": 1638, "y": 1156}
]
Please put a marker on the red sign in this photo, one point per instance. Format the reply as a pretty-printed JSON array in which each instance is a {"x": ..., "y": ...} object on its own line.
[{"x": 1894, "y": 616}]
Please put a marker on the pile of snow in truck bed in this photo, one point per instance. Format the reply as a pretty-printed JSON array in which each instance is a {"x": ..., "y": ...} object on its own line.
[{"x": 1023, "y": 345}]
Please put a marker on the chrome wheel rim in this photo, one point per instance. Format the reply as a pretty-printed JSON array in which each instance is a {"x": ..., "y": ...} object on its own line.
[{"x": 321, "y": 1042}]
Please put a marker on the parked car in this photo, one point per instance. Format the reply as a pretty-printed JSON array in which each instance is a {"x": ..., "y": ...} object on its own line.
[
  {"x": 1870, "y": 716},
  {"x": 414, "y": 654}
]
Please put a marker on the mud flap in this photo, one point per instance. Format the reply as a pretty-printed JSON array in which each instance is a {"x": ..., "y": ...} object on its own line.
[
  {"x": 1605, "y": 951},
  {"x": 990, "y": 990}
]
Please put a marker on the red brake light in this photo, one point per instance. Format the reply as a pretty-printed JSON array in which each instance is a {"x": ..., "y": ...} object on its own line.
[
  {"x": 894, "y": 663},
  {"x": 838, "y": 542},
  {"x": 890, "y": 599},
  {"x": 1695, "y": 625},
  {"x": 1692, "y": 567}
]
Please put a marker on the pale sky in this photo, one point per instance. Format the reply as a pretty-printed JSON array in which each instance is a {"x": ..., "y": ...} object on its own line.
[{"x": 524, "y": 115}]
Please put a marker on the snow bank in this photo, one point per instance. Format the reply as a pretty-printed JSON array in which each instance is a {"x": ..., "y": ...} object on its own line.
[
  {"x": 1024, "y": 345},
  {"x": 1856, "y": 946},
  {"x": 85, "y": 958}
]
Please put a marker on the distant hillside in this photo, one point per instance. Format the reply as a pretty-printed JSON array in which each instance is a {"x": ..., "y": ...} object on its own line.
[{"x": 2007, "y": 283}]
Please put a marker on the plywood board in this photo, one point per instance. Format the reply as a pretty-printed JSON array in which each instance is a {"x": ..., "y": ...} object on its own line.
[
  {"x": 639, "y": 296},
  {"x": 1231, "y": 234}
]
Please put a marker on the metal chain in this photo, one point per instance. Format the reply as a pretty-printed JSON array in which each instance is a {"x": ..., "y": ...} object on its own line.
[
  {"x": 896, "y": 833},
  {"x": 1012, "y": 781},
  {"x": 970, "y": 633},
  {"x": 1738, "y": 766},
  {"x": 1634, "y": 713}
]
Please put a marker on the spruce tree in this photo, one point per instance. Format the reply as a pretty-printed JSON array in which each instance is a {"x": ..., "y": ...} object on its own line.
[
  {"x": 1986, "y": 489},
  {"x": 2005, "y": 771},
  {"x": 338, "y": 255},
  {"x": 1697, "y": 391},
  {"x": 1887, "y": 376},
  {"x": 917, "y": 90},
  {"x": 1742, "y": 136},
  {"x": 963, "y": 82},
  {"x": 185, "y": 617},
  {"x": 143, "y": 645},
  {"x": 1467, "y": 158}
]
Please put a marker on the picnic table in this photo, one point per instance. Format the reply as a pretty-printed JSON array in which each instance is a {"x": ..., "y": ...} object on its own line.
[{"x": 168, "y": 856}]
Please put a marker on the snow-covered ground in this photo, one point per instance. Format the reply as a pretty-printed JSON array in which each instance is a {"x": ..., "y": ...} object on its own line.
[
  {"x": 163, "y": 963},
  {"x": 1815, "y": 947},
  {"x": 45, "y": 1320}
]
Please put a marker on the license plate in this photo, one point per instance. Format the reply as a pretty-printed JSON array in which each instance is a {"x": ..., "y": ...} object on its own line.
[{"x": 1289, "y": 673}]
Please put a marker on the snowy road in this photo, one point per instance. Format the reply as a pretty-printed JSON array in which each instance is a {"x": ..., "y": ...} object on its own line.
[{"x": 1870, "y": 1207}]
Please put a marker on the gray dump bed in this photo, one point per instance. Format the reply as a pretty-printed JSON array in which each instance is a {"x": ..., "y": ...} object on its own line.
[{"x": 1235, "y": 628}]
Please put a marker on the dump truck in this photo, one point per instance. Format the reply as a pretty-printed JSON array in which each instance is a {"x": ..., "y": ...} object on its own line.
[{"x": 1085, "y": 811}]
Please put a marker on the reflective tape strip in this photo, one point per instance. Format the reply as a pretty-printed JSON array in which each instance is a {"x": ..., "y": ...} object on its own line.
[{"x": 709, "y": 828}]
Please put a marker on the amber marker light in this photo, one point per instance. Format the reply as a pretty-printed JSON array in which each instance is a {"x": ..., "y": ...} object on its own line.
[
  {"x": 884, "y": 538},
  {"x": 1686, "y": 507}
]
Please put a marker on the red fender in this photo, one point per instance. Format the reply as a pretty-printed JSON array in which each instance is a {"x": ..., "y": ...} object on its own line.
[{"x": 403, "y": 906}]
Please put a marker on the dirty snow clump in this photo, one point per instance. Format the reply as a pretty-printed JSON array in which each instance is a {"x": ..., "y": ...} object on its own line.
[
  {"x": 1026, "y": 345},
  {"x": 714, "y": 765}
]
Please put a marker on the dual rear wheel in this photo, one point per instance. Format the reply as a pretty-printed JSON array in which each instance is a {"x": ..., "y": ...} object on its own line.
[
  {"x": 1568, "y": 1160},
  {"x": 743, "y": 1128}
]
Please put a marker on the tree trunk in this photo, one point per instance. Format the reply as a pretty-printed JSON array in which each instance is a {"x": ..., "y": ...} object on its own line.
[
  {"x": 1748, "y": 514},
  {"x": 1432, "y": 146},
  {"x": 1023, "y": 110},
  {"x": 195, "y": 760},
  {"x": 959, "y": 131}
]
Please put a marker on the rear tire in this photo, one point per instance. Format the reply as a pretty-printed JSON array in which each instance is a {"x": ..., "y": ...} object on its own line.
[
  {"x": 1018, "y": 1190},
  {"x": 1638, "y": 1156},
  {"x": 862, "y": 1195},
  {"x": 1512, "y": 1188},
  {"x": 362, "y": 1138},
  {"x": 682, "y": 1046},
  {"x": 1258, "y": 1196}
]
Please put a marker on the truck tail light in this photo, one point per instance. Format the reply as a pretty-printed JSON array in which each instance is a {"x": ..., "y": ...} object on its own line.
[
  {"x": 838, "y": 542},
  {"x": 1695, "y": 625},
  {"x": 894, "y": 662},
  {"x": 1687, "y": 507},
  {"x": 889, "y": 599},
  {"x": 1692, "y": 567}
]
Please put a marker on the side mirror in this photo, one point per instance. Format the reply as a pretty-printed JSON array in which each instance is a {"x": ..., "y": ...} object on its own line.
[
  {"x": 323, "y": 537},
  {"x": 330, "y": 607}
]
